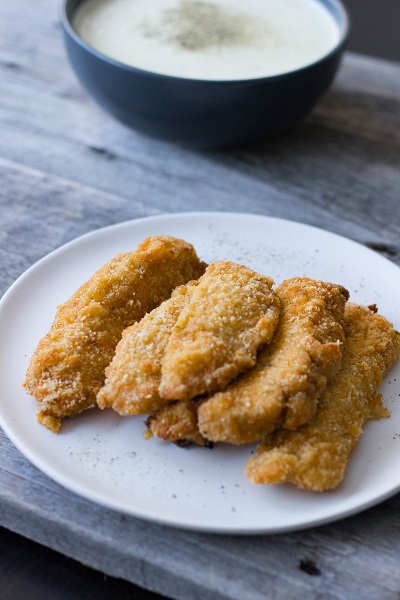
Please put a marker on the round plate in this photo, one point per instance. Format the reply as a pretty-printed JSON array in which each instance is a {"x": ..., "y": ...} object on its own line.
[{"x": 105, "y": 458}]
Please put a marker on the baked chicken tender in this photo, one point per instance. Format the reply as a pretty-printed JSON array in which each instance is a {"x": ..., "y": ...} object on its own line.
[
  {"x": 315, "y": 456},
  {"x": 67, "y": 369},
  {"x": 291, "y": 373},
  {"x": 134, "y": 374},
  {"x": 177, "y": 422},
  {"x": 232, "y": 312}
]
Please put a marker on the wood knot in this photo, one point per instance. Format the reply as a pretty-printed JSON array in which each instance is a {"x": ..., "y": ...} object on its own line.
[{"x": 309, "y": 567}]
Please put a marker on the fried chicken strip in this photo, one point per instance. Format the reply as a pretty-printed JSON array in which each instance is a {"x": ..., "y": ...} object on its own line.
[
  {"x": 177, "y": 422},
  {"x": 291, "y": 373},
  {"x": 134, "y": 374},
  {"x": 232, "y": 312},
  {"x": 315, "y": 456},
  {"x": 67, "y": 369}
]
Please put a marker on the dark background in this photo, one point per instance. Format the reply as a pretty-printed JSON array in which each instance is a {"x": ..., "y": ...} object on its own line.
[
  {"x": 375, "y": 27},
  {"x": 28, "y": 570}
]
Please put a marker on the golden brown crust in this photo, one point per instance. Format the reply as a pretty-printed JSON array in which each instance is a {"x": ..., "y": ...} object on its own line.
[
  {"x": 232, "y": 312},
  {"x": 177, "y": 423},
  {"x": 291, "y": 373},
  {"x": 134, "y": 374},
  {"x": 315, "y": 456},
  {"x": 67, "y": 368}
]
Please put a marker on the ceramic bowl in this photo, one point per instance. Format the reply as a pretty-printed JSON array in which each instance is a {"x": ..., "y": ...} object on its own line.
[{"x": 202, "y": 113}]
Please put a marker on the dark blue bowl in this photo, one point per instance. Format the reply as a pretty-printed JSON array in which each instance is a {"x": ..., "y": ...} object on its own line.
[{"x": 200, "y": 113}]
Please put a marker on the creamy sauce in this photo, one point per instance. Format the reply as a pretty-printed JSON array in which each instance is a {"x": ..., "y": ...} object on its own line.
[{"x": 220, "y": 39}]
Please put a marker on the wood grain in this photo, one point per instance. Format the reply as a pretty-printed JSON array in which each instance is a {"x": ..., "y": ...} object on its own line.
[
  {"x": 357, "y": 555},
  {"x": 67, "y": 168}
]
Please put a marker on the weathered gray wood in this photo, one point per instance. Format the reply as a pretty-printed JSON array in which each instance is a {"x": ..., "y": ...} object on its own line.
[
  {"x": 350, "y": 142},
  {"x": 67, "y": 168},
  {"x": 355, "y": 558}
]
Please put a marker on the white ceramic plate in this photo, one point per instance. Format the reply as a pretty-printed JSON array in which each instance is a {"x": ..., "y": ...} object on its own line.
[{"x": 104, "y": 457}]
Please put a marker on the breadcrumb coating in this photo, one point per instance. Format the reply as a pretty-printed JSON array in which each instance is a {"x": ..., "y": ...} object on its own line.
[
  {"x": 134, "y": 374},
  {"x": 67, "y": 369},
  {"x": 315, "y": 456},
  {"x": 233, "y": 311},
  {"x": 176, "y": 422},
  {"x": 291, "y": 373}
]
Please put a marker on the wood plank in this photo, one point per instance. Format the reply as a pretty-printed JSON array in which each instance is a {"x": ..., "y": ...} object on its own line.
[
  {"x": 152, "y": 556},
  {"x": 41, "y": 212},
  {"x": 316, "y": 174},
  {"x": 338, "y": 161},
  {"x": 338, "y": 559}
]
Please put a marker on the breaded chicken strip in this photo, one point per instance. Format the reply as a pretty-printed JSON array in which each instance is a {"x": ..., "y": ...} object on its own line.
[
  {"x": 134, "y": 374},
  {"x": 67, "y": 368},
  {"x": 315, "y": 456},
  {"x": 291, "y": 373},
  {"x": 177, "y": 422},
  {"x": 232, "y": 312}
]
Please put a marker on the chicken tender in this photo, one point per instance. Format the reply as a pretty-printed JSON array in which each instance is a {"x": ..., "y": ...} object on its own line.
[
  {"x": 134, "y": 375},
  {"x": 291, "y": 373},
  {"x": 177, "y": 422},
  {"x": 315, "y": 456},
  {"x": 232, "y": 312},
  {"x": 67, "y": 368}
]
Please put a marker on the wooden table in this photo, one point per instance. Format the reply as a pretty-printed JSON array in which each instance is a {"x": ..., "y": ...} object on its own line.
[{"x": 68, "y": 168}]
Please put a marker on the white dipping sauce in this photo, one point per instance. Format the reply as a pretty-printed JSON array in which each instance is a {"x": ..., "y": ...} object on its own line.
[{"x": 206, "y": 39}]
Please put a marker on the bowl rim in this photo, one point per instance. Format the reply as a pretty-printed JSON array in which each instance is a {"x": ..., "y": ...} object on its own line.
[{"x": 343, "y": 23}]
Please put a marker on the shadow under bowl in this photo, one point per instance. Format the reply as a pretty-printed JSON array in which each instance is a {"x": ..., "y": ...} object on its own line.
[{"x": 202, "y": 113}]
